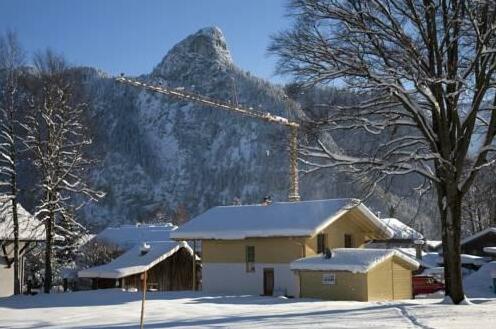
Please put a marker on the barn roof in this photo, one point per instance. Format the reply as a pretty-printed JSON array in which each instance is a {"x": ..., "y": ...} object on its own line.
[
  {"x": 30, "y": 228},
  {"x": 283, "y": 219},
  {"x": 356, "y": 260},
  {"x": 134, "y": 261}
]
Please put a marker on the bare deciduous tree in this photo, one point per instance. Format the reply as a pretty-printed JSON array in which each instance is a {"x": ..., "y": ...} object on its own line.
[
  {"x": 11, "y": 60},
  {"x": 426, "y": 73},
  {"x": 479, "y": 206},
  {"x": 57, "y": 139}
]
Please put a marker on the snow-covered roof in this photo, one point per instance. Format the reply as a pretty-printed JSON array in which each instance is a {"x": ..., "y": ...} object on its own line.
[
  {"x": 356, "y": 260},
  {"x": 134, "y": 262},
  {"x": 433, "y": 244},
  {"x": 429, "y": 259},
  {"x": 401, "y": 230},
  {"x": 479, "y": 234},
  {"x": 128, "y": 236},
  {"x": 30, "y": 228},
  {"x": 490, "y": 250},
  {"x": 304, "y": 218}
]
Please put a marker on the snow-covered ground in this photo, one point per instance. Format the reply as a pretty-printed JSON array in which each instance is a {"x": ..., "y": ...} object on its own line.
[{"x": 116, "y": 309}]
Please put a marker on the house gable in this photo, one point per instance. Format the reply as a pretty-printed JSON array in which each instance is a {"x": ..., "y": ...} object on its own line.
[{"x": 355, "y": 223}]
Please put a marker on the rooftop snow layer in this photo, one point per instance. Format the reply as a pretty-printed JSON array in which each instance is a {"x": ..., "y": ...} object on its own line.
[
  {"x": 356, "y": 260},
  {"x": 30, "y": 228},
  {"x": 401, "y": 230},
  {"x": 490, "y": 250},
  {"x": 133, "y": 262},
  {"x": 304, "y": 218},
  {"x": 127, "y": 236},
  {"x": 433, "y": 244}
]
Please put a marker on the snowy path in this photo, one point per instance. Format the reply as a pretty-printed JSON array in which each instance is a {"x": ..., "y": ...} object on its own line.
[{"x": 115, "y": 309}]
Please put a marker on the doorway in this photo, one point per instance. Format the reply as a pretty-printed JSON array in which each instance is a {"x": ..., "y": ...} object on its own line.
[{"x": 268, "y": 281}]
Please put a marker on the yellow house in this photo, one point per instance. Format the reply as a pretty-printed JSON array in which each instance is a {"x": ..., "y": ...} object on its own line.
[
  {"x": 356, "y": 274},
  {"x": 247, "y": 249}
]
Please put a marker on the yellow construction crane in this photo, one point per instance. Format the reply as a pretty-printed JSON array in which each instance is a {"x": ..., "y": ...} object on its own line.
[{"x": 180, "y": 93}]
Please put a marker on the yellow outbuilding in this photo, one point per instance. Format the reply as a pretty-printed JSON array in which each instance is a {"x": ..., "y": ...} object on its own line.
[{"x": 356, "y": 274}]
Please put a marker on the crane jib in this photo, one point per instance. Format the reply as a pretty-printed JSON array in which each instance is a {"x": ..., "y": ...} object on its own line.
[{"x": 246, "y": 111}]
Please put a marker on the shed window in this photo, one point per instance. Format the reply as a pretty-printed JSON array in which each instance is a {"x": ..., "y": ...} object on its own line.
[
  {"x": 321, "y": 243},
  {"x": 250, "y": 259},
  {"x": 348, "y": 241},
  {"x": 329, "y": 278}
]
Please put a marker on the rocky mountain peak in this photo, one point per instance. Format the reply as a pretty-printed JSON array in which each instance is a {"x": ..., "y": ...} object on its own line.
[{"x": 205, "y": 47}]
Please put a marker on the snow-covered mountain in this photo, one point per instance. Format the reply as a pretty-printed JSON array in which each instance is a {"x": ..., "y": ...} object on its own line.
[{"x": 159, "y": 154}]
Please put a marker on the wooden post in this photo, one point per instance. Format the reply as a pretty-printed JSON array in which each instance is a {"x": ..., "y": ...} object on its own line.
[
  {"x": 194, "y": 265},
  {"x": 143, "y": 301}
]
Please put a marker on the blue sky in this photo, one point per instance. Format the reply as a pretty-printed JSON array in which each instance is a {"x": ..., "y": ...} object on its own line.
[{"x": 132, "y": 36}]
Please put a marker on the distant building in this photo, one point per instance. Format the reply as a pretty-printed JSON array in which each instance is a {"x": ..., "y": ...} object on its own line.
[
  {"x": 248, "y": 249},
  {"x": 148, "y": 248},
  {"x": 403, "y": 236},
  {"x": 30, "y": 231},
  {"x": 475, "y": 244},
  {"x": 129, "y": 236}
]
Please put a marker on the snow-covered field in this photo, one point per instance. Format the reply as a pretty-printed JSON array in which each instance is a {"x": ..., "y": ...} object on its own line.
[{"x": 116, "y": 309}]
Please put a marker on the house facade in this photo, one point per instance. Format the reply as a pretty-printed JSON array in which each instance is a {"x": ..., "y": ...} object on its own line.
[{"x": 248, "y": 249}]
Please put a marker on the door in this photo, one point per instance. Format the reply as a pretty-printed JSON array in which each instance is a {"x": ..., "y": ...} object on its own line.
[{"x": 268, "y": 281}]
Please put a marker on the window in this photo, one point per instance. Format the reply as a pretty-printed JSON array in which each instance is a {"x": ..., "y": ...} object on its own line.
[
  {"x": 348, "y": 241},
  {"x": 250, "y": 259},
  {"x": 329, "y": 278},
  {"x": 321, "y": 243}
]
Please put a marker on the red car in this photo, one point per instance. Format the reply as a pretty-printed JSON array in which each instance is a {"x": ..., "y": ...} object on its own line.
[{"x": 423, "y": 284}]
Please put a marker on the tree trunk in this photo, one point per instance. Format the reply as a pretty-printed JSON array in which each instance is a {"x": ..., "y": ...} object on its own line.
[
  {"x": 450, "y": 210},
  {"x": 49, "y": 227},
  {"x": 17, "y": 279}
]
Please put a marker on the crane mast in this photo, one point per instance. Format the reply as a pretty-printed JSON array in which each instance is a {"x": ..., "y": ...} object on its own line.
[{"x": 180, "y": 93}]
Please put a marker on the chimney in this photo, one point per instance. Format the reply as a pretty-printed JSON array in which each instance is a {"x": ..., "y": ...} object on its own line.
[{"x": 419, "y": 243}]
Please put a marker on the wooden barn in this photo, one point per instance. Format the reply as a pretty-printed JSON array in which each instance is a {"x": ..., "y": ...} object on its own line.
[{"x": 168, "y": 266}]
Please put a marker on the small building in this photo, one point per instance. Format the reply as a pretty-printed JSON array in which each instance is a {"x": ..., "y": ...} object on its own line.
[
  {"x": 356, "y": 274},
  {"x": 30, "y": 231},
  {"x": 168, "y": 266},
  {"x": 247, "y": 249},
  {"x": 475, "y": 244}
]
